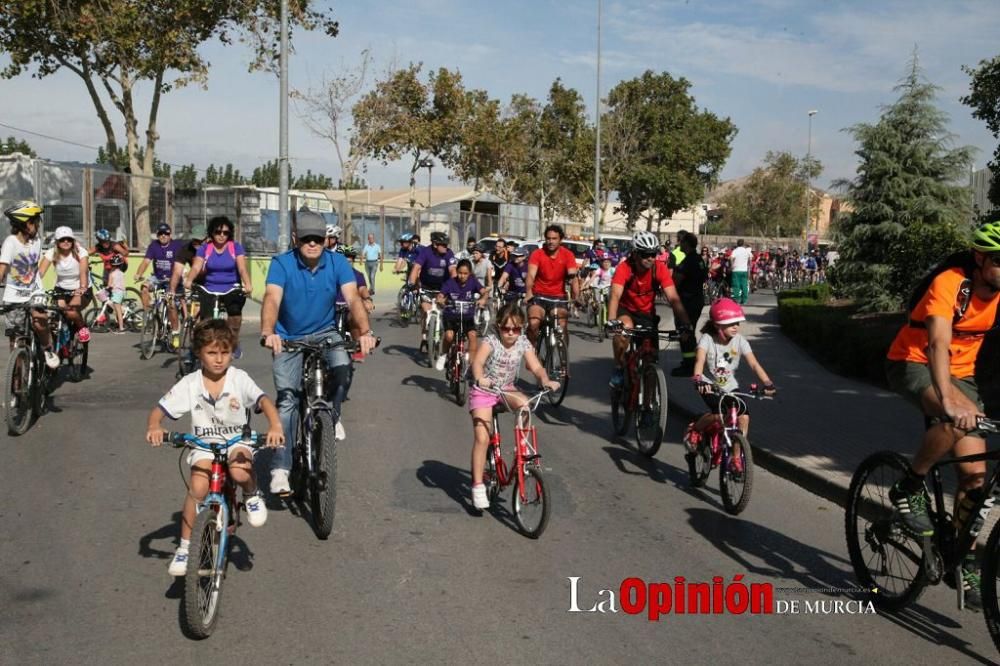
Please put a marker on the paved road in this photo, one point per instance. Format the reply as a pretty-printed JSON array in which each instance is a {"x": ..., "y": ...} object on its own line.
[{"x": 409, "y": 575}]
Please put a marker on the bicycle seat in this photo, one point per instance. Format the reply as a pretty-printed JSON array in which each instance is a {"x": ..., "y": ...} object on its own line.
[{"x": 499, "y": 408}]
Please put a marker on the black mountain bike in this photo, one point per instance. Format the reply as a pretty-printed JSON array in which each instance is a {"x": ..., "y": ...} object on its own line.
[
  {"x": 551, "y": 347},
  {"x": 896, "y": 567}
]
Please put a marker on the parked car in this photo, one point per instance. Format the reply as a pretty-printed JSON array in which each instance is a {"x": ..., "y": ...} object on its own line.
[{"x": 577, "y": 247}]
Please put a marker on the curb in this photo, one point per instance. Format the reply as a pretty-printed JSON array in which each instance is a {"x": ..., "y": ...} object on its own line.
[{"x": 815, "y": 483}]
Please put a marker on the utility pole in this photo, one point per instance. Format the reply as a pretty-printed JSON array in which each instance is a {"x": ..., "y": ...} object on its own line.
[
  {"x": 283, "y": 225},
  {"x": 597, "y": 157},
  {"x": 812, "y": 112}
]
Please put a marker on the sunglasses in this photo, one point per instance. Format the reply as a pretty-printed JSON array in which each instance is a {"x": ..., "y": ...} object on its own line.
[
  {"x": 313, "y": 240},
  {"x": 163, "y": 233},
  {"x": 65, "y": 240},
  {"x": 223, "y": 232},
  {"x": 510, "y": 329},
  {"x": 994, "y": 259},
  {"x": 646, "y": 255}
]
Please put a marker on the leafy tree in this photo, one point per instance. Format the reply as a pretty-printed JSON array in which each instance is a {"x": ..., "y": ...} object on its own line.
[
  {"x": 772, "y": 200},
  {"x": 908, "y": 198},
  {"x": 356, "y": 184},
  {"x": 186, "y": 177},
  {"x": 12, "y": 145},
  {"x": 984, "y": 99},
  {"x": 681, "y": 150},
  {"x": 313, "y": 181},
  {"x": 116, "y": 45}
]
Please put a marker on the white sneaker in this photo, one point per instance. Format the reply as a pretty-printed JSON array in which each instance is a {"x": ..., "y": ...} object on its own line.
[
  {"x": 439, "y": 364},
  {"x": 479, "y": 498},
  {"x": 256, "y": 510},
  {"x": 178, "y": 565},
  {"x": 279, "y": 482},
  {"x": 51, "y": 359},
  {"x": 338, "y": 431}
]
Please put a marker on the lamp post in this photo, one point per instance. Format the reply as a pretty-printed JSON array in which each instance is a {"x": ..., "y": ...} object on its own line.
[
  {"x": 283, "y": 225},
  {"x": 812, "y": 112},
  {"x": 597, "y": 157},
  {"x": 428, "y": 164}
]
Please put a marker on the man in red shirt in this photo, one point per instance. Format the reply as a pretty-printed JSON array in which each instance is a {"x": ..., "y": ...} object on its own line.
[
  {"x": 545, "y": 285},
  {"x": 633, "y": 296}
]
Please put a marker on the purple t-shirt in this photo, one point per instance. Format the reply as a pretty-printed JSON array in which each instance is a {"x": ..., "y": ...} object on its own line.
[
  {"x": 468, "y": 293},
  {"x": 162, "y": 257},
  {"x": 516, "y": 276},
  {"x": 434, "y": 267},
  {"x": 359, "y": 278},
  {"x": 220, "y": 268}
]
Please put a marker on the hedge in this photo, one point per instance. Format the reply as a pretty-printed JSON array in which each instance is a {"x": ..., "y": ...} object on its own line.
[{"x": 849, "y": 343}]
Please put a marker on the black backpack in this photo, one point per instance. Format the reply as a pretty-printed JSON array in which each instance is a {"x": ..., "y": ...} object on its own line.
[{"x": 966, "y": 261}]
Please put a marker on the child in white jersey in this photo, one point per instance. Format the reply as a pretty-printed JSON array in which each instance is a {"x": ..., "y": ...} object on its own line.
[
  {"x": 217, "y": 397},
  {"x": 495, "y": 367},
  {"x": 718, "y": 355}
]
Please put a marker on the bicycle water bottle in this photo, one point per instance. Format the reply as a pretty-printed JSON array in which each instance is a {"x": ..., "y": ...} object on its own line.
[{"x": 318, "y": 380}]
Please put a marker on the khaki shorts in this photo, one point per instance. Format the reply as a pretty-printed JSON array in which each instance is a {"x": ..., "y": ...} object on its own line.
[{"x": 911, "y": 380}]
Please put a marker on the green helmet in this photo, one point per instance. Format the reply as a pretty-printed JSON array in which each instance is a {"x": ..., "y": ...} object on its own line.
[{"x": 987, "y": 237}]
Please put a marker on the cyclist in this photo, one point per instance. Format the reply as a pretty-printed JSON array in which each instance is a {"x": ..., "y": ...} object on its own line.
[
  {"x": 224, "y": 264},
  {"x": 720, "y": 349},
  {"x": 217, "y": 396},
  {"x": 333, "y": 233},
  {"x": 105, "y": 248},
  {"x": 183, "y": 259},
  {"x": 514, "y": 277},
  {"x": 72, "y": 278},
  {"x": 462, "y": 288},
  {"x": 549, "y": 268},
  {"x": 19, "y": 258},
  {"x": 431, "y": 268},
  {"x": 689, "y": 276},
  {"x": 499, "y": 258},
  {"x": 406, "y": 254},
  {"x": 116, "y": 290},
  {"x": 161, "y": 254},
  {"x": 932, "y": 363},
  {"x": 482, "y": 269},
  {"x": 495, "y": 365},
  {"x": 637, "y": 282},
  {"x": 302, "y": 287},
  {"x": 363, "y": 292},
  {"x": 596, "y": 252},
  {"x": 470, "y": 245}
]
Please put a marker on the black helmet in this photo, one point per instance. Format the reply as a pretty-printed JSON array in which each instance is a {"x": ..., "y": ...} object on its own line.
[{"x": 439, "y": 238}]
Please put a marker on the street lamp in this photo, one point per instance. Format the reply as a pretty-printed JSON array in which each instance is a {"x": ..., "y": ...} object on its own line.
[
  {"x": 812, "y": 112},
  {"x": 428, "y": 164}
]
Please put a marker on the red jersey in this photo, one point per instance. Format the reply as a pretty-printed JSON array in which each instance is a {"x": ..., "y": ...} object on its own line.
[
  {"x": 550, "y": 280},
  {"x": 638, "y": 295}
]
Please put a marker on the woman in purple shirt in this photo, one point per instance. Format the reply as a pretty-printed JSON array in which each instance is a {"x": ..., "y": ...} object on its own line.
[
  {"x": 463, "y": 288},
  {"x": 224, "y": 264}
]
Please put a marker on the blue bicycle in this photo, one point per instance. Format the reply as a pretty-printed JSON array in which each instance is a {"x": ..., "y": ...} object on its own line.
[{"x": 217, "y": 519}]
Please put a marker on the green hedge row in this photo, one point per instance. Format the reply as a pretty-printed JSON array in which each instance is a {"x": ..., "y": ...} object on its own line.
[{"x": 849, "y": 343}]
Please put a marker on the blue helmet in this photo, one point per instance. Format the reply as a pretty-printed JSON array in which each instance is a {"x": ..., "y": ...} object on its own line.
[
  {"x": 103, "y": 235},
  {"x": 406, "y": 237}
]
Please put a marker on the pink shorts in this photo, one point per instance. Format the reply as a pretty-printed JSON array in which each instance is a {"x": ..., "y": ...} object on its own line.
[{"x": 480, "y": 399}]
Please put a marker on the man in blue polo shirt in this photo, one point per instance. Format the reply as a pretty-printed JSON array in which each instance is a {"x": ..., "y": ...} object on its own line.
[{"x": 302, "y": 287}]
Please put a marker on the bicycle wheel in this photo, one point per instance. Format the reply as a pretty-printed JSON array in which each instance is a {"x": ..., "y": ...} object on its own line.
[
  {"x": 989, "y": 583},
  {"x": 461, "y": 386},
  {"x": 205, "y": 574},
  {"x": 150, "y": 335},
  {"x": 532, "y": 510},
  {"x": 602, "y": 320},
  {"x": 557, "y": 366},
  {"x": 886, "y": 560},
  {"x": 97, "y": 319},
  {"x": 184, "y": 359},
  {"x": 699, "y": 464},
  {"x": 17, "y": 399},
  {"x": 403, "y": 306},
  {"x": 433, "y": 340},
  {"x": 621, "y": 413},
  {"x": 735, "y": 484},
  {"x": 490, "y": 479},
  {"x": 651, "y": 417},
  {"x": 132, "y": 315},
  {"x": 323, "y": 486}
]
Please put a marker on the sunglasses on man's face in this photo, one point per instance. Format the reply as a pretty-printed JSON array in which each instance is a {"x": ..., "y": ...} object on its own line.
[
  {"x": 647, "y": 255},
  {"x": 313, "y": 240},
  {"x": 163, "y": 233}
]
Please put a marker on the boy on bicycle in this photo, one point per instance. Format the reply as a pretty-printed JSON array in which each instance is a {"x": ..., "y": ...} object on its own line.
[
  {"x": 217, "y": 397},
  {"x": 932, "y": 363}
]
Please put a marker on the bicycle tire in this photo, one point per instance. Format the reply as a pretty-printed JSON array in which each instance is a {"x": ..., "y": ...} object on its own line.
[
  {"x": 989, "y": 582},
  {"x": 403, "y": 307},
  {"x": 90, "y": 319},
  {"x": 881, "y": 528},
  {"x": 205, "y": 574},
  {"x": 621, "y": 415},
  {"x": 559, "y": 372},
  {"x": 432, "y": 342},
  {"x": 18, "y": 404},
  {"x": 535, "y": 496},
  {"x": 649, "y": 437},
  {"x": 736, "y": 492},
  {"x": 78, "y": 361},
  {"x": 133, "y": 318},
  {"x": 149, "y": 336},
  {"x": 323, "y": 485},
  {"x": 699, "y": 464},
  {"x": 461, "y": 386}
]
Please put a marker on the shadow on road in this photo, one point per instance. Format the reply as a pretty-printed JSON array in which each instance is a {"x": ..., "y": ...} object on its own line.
[
  {"x": 412, "y": 353},
  {"x": 456, "y": 483},
  {"x": 429, "y": 384}
]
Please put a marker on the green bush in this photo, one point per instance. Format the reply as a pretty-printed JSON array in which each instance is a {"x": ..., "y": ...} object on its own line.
[{"x": 849, "y": 343}]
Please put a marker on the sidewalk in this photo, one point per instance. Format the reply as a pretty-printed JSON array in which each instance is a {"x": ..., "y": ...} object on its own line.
[{"x": 820, "y": 425}]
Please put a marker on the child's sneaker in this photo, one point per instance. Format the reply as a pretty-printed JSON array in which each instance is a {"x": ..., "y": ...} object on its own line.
[
  {"x": 256, "y": 510},
  {"x": 692, "y": 437},
  {"x": 178, "y": 565},
  {"x": 279, "y": 482},
  {"x": 83, "y": 335},
  {"x": 479, "y": 498}
]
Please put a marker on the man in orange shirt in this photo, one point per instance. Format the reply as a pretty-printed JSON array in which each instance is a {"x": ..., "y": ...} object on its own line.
[
  {"x": 932, "y": 363},
  {"x": 549, "y": 267}
]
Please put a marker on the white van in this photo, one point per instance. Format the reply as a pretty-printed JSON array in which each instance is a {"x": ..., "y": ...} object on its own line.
[{"x": 577, "y": 247}]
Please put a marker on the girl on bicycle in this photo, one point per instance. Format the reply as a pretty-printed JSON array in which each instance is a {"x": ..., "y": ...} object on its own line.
[
  {"x": 224, "y": 263},
  {"x": 217, "y": 397},
  {"x": 494, "y": 367},
  {"x": 463, "y": 288},
  {"x": 720, "y": 349},
  {"x": 116, "y": 290},
  {"x": 72, "y": 278}
]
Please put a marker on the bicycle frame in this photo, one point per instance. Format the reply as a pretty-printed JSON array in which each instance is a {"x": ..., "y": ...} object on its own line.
[{"x": 525, "y": 440}]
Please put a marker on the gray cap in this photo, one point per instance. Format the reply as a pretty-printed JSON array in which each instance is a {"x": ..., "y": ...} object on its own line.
[{"x": 308, "y": 223}]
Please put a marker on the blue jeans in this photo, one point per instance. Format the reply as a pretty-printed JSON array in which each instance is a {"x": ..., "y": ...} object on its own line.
[
  {"x": 287, "y": 370},
  {"x": 370, "y": 268}
]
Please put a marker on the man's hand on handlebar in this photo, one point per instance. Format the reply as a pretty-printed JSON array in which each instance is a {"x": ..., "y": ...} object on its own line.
[
  {"x": 275, "y": 437},
  {"x": 271, "y": 341},
  {"x": 614, "y": 325},
  {"x": 367, "y": 343}
]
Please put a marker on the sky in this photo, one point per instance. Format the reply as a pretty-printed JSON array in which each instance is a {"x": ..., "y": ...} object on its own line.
[{"x": 762, "y": 63}]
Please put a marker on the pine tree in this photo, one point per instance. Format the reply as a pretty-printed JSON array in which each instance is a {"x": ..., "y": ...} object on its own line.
[{"x": 911, "y": 206}]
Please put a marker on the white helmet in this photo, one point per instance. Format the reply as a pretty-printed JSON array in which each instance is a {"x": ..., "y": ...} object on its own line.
[
  {"x": 645, "y": 240},
  {"x": 333, "y": 231}
]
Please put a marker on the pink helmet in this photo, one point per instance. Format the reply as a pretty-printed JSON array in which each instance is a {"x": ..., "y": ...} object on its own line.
[{"x": 726, "y": 311}]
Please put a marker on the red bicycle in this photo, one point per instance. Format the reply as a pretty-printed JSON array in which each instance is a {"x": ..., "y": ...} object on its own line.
[
  {"x": 642, "y": 397},
  {"x": 456, "y": 366},
  {"x": 724, "y": 445},
  {"x": 530, "y": 503}
]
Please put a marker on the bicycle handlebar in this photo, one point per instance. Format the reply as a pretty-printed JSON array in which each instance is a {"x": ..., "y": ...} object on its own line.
[
  {"x": 322, "y": 345},
  {"x": 185, "y": 440},
  {"x": 756, "y": 392},
  {"x": 663, "y": 334}
]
